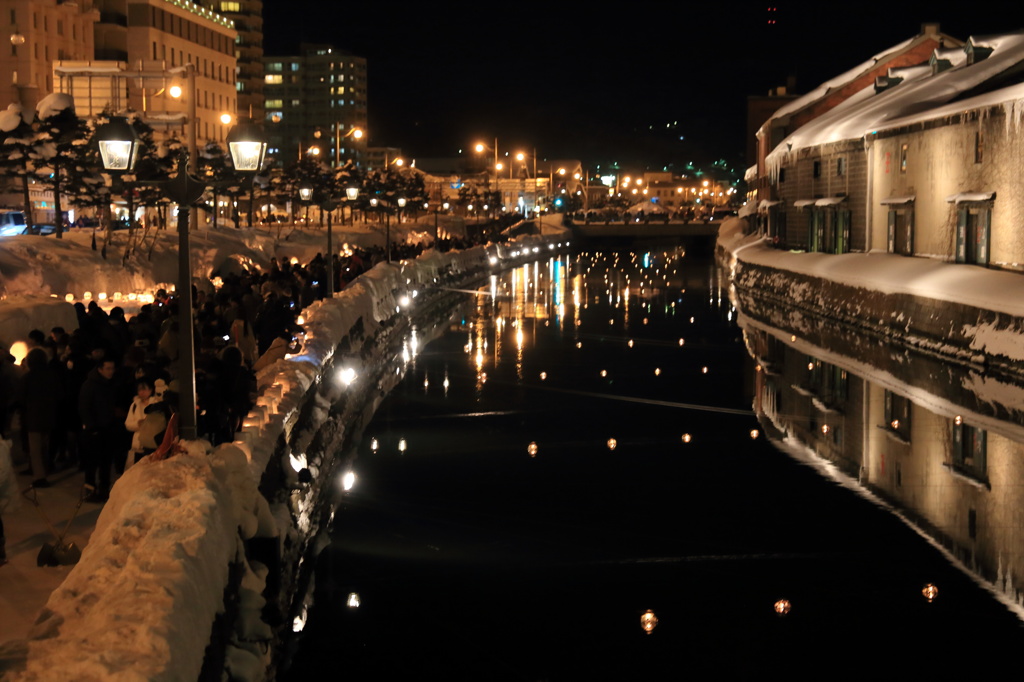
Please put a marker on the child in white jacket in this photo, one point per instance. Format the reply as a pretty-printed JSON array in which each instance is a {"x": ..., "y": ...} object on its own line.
[{"x": 144, "y": 397}]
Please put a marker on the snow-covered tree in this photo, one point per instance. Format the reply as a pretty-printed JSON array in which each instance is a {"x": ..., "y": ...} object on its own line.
[
  {"x": 17, "y": 136},
  {"x": 59, "y": 139}
]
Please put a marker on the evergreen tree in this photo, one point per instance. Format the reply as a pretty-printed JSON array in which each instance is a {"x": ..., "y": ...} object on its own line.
[
  {"x": 15, "y": 162},
  {"x": 59, "y": 137}
]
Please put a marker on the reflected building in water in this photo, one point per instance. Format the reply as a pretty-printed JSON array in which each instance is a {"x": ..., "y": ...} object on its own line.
[{"x": 943, "y": 444}]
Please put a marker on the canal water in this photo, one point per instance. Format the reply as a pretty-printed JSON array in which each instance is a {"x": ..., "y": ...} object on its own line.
[{"x": 584, "y": 446}]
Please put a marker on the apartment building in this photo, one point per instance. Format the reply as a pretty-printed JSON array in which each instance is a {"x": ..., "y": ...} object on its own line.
[{"x": 315, "y": 103}]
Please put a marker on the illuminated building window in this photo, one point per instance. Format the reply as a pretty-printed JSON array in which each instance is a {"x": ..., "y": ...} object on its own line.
[
  {"x": 897, "y": 416},
  {"x": 970, "y": 451},
  {"x": 273, "y": 104},
  {"x": 230, "y": 7},
  {"x": 273, "y": 79}
]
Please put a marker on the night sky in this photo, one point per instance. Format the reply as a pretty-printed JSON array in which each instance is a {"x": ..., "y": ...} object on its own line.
[{"x": 649, "y": 83}]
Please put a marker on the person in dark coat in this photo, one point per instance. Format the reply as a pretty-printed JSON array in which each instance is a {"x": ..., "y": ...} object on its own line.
[
  {"x": 97, "y": 408},
  {"x": 39, "y": 396}
]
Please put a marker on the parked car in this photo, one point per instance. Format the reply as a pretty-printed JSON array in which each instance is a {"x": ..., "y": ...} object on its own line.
[
  {"x": 12, "y": 223},
  {"x": 42, "y": 229}
]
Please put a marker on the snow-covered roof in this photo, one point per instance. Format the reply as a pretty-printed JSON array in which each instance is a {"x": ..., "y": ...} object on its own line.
[
  {"x": 751, "y": 173},
  {"x": 839, "y": 81},
  {"x": 647, "y": 207},
  {"x": 908, "y": 98},
  {"x": 954, "y": 55},
  {"x": 910, "y": 72},
  {"x": 897, "y": 201},
  {"x": 1011, "y": 99},
  {"x": 970, "y": 196},
  {"x": 822, "y": 201},
  {"x": 766, "y": 203}
]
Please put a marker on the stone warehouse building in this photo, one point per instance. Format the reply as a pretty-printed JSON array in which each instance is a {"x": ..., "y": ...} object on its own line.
[{"x": 923, "y": 162}]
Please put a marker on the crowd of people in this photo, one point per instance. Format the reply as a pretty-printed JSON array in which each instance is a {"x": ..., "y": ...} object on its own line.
[
  {"x": 101, "y": 397},
  {"x": 104, "y": 395}
]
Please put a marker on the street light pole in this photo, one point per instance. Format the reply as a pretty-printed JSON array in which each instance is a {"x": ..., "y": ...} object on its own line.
[
  {"x": 118, "y": 144},
  {"x": 185, "y": 190}
]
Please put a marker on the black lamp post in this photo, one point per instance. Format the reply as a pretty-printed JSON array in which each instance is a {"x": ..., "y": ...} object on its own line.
[
  {"x": 118, "y": 145},
  {"x": 328, "y": 203}
]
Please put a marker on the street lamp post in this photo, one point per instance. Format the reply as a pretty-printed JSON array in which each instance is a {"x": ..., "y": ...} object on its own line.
[
  {"x": 118, "y": 143},
  {"x": 328, "y": 203}
]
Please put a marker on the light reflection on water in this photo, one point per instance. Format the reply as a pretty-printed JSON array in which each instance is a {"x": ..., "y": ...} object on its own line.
[{"x": 572, "y": 497}]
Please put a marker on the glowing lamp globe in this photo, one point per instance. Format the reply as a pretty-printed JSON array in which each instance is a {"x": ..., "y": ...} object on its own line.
[
  {"x": 247, "y": 146},
  {"x": 532, "y": 449},
  {"x": 612, "y": 443},
  {"x": 305, "y": 192},
  {"x": 930, "y": 592},
  {"x": 118, "y": 144},
  {"x": 351, "y": 193},
  {"x": 782, "y": 607}
]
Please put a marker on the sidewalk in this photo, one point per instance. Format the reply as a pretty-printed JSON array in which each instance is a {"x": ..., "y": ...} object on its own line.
[{"x": 24, "y": 586}]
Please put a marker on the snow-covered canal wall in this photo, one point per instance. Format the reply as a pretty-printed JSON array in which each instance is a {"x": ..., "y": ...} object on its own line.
[
  {"x": 963, "y": 313},
  {"x": 199, "y": 563}
]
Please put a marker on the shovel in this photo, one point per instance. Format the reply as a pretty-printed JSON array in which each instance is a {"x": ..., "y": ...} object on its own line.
[{"x": 59, "y": 553}]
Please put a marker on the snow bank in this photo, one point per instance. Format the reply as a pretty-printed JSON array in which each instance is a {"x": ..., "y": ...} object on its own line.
[{"x": 140, "y": 602}]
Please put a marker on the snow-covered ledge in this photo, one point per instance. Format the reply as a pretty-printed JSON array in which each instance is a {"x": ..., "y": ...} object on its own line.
[
  {"x": 967, "y": 313},
  {"x": 170, "y": 545}
]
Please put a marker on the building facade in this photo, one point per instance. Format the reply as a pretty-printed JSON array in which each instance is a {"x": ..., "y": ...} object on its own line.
[
  {"x": 315, "y": 103},
  {"x": 41, "y": 32},
  {"x": 923, "y": 163},
  {"x": 247, "y": 16},
  {"x": 163, "y": 36}
]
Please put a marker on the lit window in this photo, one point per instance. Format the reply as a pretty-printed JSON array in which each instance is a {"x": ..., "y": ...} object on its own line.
[
  {"x": 969, "y": 451},
  {"x": 273, "y": 79},
  {"x": 230, "y": 7},
  {"x": 274, "y": 116},
  {"x": 295, "y": 66},
  {"x": 274, "y": 104},
  {"x": 274, "y": 66}
]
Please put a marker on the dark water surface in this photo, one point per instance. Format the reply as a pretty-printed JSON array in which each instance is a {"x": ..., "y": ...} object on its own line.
[{"x": 476, "y": 557}]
